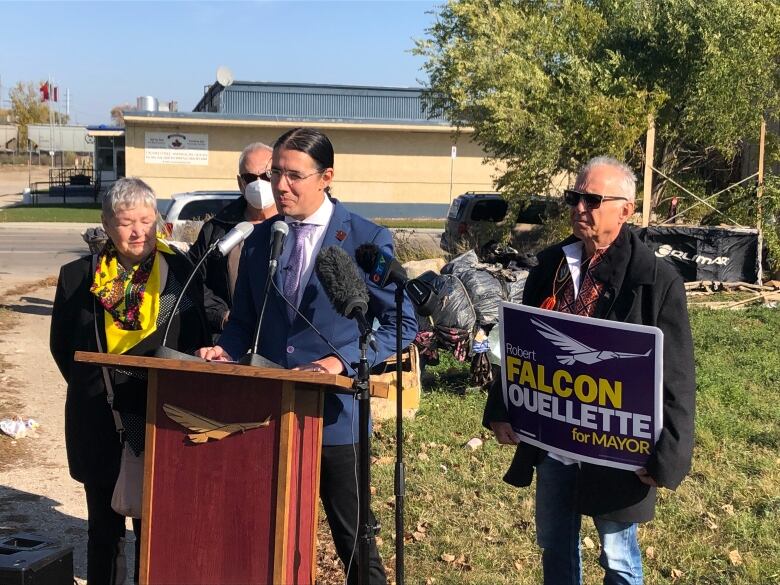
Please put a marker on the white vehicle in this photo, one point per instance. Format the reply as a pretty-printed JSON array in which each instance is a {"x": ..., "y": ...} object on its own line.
[{"x": 187, "y": 212}]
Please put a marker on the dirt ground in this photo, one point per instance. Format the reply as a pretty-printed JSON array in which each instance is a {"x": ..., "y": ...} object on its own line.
[
  {"x": 37, "y": 494},
  {"x": 14, "y": 178}
]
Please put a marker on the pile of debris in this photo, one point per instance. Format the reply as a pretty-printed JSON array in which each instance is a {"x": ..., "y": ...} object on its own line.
[
  {"x": 767, "y": 294},
  {"x": 468, "y": 292}
]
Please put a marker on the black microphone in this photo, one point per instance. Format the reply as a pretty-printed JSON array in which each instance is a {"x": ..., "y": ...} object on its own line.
[
  {"x": 383, "y": 269},
  {"x": 279, "y": 231},
  {"x": 224, "y": 245},
  {"x": 380, "y": 267},
  {"x": 343, "y": 286},
  {"x": 295, "y": 309}
]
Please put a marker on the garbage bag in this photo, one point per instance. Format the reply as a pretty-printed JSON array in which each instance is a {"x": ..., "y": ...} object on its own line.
[
  {"x": 487, "y": 285},
  {"x": 453, "y": 307}
]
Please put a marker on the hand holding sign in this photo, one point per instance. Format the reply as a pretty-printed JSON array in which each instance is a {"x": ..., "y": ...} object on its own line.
[{"x": 504, "y": 433}]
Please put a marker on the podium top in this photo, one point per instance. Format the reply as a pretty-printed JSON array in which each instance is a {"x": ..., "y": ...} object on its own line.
[{"x": 336, "y": 382}]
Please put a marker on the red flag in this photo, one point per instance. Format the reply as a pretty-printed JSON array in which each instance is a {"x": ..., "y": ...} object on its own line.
[{"x": 44, "y": 89}]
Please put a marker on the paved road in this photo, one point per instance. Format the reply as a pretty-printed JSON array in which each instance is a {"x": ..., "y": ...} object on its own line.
[
  {"x": 33, "y": 251},
  {"x": 36, "y": 251}
]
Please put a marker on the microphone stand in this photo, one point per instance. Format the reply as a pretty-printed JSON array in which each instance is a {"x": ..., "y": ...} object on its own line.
[
  {"x": 400, "y": 468},
  {"x": 368, "y": 528},
  {"x": 253, "y": 358},
  {"x": 167, "y": 352}
]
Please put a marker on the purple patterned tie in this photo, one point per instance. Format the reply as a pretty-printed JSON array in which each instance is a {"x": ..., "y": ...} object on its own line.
[{"x": 292, "y": 276}]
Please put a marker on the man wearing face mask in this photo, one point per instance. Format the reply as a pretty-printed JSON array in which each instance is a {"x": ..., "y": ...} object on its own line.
[{"x": 256, "y": 204}]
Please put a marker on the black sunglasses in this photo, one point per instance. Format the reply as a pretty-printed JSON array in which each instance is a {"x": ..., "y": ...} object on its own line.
[
  {"x": 252, "y": 177},
  {"x": 591, "y": 200}
]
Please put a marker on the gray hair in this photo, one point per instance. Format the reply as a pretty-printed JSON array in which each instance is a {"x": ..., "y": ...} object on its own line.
[
  {"x": 128, "y": 192},
  {"x": 249, "y": 149},
  {"x": 628, "y": 179}
]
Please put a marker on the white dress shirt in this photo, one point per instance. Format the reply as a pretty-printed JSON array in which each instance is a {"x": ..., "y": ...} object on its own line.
[{"x": 311, "y": 244}]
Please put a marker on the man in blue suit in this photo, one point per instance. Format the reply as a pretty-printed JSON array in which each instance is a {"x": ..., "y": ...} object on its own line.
[{"x": 301, "y": 173}]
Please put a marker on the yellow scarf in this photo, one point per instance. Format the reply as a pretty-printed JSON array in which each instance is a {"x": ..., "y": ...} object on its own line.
[{"x": 111, "y": 279}]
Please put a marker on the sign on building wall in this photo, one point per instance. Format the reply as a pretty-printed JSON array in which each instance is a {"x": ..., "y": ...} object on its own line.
[{"x": 163, "y": 148}]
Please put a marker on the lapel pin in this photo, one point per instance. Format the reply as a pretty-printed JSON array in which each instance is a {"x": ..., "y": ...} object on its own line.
[{"x": 341, "y": 235}]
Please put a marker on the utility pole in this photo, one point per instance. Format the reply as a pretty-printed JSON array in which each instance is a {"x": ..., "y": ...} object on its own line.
[
  {"x": 647, "y": 196},
  {"x": 759, "y": 196},
  {"x": 453, "y": 154}
]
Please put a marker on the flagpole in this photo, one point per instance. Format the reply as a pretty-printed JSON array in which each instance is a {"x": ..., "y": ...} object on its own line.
[{"x": 51, "y": 125}]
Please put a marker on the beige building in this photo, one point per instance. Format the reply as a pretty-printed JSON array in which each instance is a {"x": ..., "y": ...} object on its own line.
[{"x": 390, "y": 157}]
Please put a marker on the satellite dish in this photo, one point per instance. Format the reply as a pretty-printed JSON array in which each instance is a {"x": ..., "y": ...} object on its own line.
[{"x": 224, "y": 76}]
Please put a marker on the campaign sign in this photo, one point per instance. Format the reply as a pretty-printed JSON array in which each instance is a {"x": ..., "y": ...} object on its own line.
[{"x": 584, "y": 388}]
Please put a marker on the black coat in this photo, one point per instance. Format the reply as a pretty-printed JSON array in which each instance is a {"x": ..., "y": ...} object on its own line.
[
  {"x": 643, "y": 290},
  {"x": 91, "y": 439},
  {"x": 214, "y": 271}
]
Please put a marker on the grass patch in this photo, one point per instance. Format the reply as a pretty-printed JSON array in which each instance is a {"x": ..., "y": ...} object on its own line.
[
  {"x": 410, "y": 223},
  {"x": 458, "y": 505},
  {"x": 74, "y": 212},
  {"x": 409, "y": 247}
]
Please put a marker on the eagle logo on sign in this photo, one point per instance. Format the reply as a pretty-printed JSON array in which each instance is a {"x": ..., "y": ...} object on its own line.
[{"x": 577, "y": 351}]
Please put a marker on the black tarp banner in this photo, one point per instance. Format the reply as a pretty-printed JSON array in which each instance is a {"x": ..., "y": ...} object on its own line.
[{"x": 706, "y": 253}]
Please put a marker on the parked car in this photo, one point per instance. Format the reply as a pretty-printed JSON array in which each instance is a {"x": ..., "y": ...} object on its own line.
[
  {"x": 187, "y": 212},
  {"x": 474, "y": 219}
]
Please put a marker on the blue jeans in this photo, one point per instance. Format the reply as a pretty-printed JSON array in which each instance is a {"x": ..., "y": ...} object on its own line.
[{"x": 558, "y": 532}]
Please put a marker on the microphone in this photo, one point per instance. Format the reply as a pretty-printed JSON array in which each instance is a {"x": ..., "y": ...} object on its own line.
[
  {"x": 343, "y": 286},
  {"x": 295, "y": 309},
  {"x": 234, "y": 237},
  {"x": 224, "y": 245},
  {"x": 383, "y": 269},
  {"x": 279, "y": 231},
  {"x": 423, "y": 296},
  {"x": 380, "y": 267}
]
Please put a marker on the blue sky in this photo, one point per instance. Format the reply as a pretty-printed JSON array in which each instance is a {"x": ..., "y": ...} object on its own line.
[{"x": 109, "y": 53}]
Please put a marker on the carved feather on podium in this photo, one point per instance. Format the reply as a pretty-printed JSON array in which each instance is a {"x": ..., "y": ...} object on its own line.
[{"x": 205, "y": 428}]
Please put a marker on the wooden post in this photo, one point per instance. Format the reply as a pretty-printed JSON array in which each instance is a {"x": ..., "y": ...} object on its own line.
[
  {"x": 759, "y": 196},
  {"x": 647, "y": 197}
]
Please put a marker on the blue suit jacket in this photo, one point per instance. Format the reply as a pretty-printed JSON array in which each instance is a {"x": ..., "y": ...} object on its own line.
[{"x": 293, "y": 343}]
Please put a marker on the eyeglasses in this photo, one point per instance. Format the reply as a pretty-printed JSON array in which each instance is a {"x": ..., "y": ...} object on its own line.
[
  {"x": 252, "y": 177},
  {"x": 276, "y": 175},
  {"x": 591, "y": 200}
]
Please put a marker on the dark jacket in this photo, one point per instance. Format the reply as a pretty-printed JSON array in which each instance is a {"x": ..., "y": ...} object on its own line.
[
  {"x": 290, "y": 343},
  {"x": 643, "y": 290},
  {"x": 91, "y": 439},
  {"x": 214, "y": 270}
]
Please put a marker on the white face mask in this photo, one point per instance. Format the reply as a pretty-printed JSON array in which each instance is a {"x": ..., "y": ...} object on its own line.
[{"x": 258, "y": 194}]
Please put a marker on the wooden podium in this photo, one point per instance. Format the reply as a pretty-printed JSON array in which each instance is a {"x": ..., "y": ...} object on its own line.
[{"x": 237, "y": 510}]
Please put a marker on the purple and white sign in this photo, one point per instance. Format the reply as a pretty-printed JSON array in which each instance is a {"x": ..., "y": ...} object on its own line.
[{"x": 584, "y": 388}]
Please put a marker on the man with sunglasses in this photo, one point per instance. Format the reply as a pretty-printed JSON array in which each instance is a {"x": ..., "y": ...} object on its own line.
[
  {"x": 256, "y": 204},
  {"x": 604, "y": 270}
]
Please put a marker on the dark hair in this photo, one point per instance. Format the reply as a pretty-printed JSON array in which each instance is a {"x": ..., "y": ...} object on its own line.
[{"x": 308, "y": 141}]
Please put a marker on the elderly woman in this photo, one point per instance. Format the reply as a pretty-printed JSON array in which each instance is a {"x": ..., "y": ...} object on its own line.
[{"x": 117, "y": 301}]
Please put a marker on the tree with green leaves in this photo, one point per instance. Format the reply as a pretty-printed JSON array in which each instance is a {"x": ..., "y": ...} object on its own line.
[
  {"x": 547, "y": 84},
  {"x": 27, "y": 108}
]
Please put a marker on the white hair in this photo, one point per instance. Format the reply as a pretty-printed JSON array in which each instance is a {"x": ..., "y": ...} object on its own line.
[
  {"x": 126, "y": 193},
  {"x": 249, "y": 149},
  {"x": 628, "y": 179}
]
